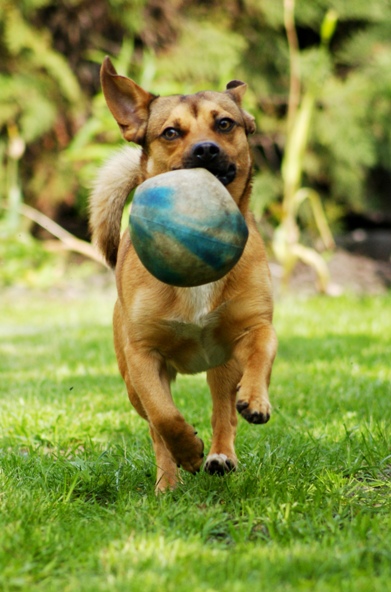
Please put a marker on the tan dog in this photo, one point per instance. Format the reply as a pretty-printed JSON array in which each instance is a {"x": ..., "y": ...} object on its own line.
[{"x": 223, "y": 328}]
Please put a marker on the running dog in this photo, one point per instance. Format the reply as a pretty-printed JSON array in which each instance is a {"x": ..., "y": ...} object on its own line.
[{"x": 223, "y": 328}]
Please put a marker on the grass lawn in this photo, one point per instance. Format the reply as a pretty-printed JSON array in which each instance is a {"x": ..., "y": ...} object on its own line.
[{"x": 308, "y": 509}]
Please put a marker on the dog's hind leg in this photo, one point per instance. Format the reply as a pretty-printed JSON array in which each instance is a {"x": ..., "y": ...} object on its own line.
[
  {"x": 119, "y": 345},
  {"x": 166, "y": 477},
  {"x": 167, "y": 472},
  {"x": 223, "y": 382}
]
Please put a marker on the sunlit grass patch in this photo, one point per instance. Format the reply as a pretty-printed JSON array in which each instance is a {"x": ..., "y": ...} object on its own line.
[{"x": 308, "y": 509}]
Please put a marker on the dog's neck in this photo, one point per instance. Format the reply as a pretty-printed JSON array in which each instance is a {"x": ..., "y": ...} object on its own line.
[{"x": 244, "y": 200}]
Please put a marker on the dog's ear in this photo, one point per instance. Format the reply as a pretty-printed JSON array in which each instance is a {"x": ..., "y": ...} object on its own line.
[
  {"x": 236, "y": 89},
  {"x": 128, "y": 102}
]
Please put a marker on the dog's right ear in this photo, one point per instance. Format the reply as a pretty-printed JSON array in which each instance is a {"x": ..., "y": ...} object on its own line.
[{"x": 128, "y": 102}]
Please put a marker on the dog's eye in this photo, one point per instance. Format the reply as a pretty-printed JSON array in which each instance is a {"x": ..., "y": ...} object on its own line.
[
  {"x": 225, "y": 125},
  {"x": 170, "y": 133}
]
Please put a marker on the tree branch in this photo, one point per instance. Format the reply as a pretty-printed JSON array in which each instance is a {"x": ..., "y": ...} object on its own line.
[{"x": 69, "y": 241}]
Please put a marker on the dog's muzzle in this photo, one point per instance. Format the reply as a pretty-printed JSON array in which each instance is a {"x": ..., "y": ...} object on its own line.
[{"x": 209, "y": 155}]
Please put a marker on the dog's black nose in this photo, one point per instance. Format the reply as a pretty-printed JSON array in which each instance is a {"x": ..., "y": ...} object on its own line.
[{"x": 205, "y": 152}]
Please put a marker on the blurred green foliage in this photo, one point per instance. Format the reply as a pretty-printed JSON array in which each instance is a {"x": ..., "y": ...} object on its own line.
[
  {"x": 55, "y": 128},
  {"x": 19, "y": 257}
]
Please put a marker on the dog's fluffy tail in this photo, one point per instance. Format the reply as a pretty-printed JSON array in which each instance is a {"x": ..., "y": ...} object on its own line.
[{"x": 114, "y": 182}]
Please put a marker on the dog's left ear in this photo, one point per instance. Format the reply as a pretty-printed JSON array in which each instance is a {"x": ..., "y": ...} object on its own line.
[{"x": 236, "y": 89}]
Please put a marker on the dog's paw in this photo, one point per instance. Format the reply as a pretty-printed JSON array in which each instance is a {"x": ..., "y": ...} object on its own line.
[
  {"x": 254, "y": 412},
  {"x": 219, "y": 464},
  {"x": 191, "y": 456},
  {"x": 182, "y": 443}
]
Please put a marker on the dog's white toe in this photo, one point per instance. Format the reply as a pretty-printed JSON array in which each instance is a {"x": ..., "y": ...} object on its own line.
[{"x": 219, "y": 464}]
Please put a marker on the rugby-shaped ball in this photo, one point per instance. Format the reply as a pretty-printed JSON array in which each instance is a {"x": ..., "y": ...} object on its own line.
[{"x": 186, "y": 228}]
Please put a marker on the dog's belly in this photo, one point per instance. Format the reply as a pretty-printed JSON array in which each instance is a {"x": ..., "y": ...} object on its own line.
[{"x": 190, "y": 347}]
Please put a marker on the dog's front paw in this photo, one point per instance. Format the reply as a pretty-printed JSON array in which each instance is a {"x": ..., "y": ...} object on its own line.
[
  {"x": 219, "y": 464},
  {"x": 254, "y": 408},
  {"x": 182, "y": 443},
  {"x": 187, "y": 450},
  {"x": 191, "y": 457}
]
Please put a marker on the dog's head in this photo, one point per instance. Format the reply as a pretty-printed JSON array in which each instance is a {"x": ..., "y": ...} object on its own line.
[{"x": 207, "y": 129}]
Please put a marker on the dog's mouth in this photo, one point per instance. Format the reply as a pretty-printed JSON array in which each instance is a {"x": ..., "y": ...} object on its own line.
[
  {"x": 209, "y": 155},
  {"x": 225, "y": 177},
  {"x": 224, "y": 174}
]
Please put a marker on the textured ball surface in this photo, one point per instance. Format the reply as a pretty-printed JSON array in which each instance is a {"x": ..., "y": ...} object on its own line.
[{"x": 186, "y": 228}]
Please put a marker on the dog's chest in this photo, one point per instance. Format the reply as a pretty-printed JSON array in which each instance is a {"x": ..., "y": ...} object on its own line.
[
  {"x": 196, "y": 303},
  {"x": 194, "y": 343}
]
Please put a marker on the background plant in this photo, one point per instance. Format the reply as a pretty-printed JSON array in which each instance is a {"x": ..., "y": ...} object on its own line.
[
  {"x": 301, "y": 106},
  {"x": 55, "y": 128}
]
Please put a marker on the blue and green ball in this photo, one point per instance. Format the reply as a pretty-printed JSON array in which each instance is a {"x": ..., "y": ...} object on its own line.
[{"x": 186, "y": 228}]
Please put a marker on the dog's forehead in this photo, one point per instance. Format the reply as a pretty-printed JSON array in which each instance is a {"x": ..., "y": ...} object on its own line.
[{"x": 203, "y": 104}]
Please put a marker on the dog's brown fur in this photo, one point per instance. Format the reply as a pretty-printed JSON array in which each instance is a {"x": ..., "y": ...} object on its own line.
[{"x": 223, "y": 328}]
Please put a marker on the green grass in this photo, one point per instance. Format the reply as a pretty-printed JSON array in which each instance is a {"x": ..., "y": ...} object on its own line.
[{"x": 308, "y": 509}]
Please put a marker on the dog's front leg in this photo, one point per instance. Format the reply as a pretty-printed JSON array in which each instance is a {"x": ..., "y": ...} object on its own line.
[
  {"x": 255, "y": 353},
  {"x": 150, "y": 379}
]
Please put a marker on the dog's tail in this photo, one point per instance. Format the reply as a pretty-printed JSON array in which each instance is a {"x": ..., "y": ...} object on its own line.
[{"x": 114, "y": 182}]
